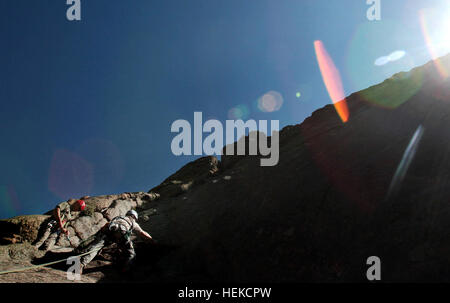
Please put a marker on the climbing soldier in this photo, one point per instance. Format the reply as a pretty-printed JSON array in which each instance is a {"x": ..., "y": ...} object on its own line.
[
  {"x": 118, "y": 231},
  {"x": 62, "y": 214}
]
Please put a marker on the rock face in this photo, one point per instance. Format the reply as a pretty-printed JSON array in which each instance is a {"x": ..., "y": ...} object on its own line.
[
  {"x": 22, "y": 228},
  {"x": 86, "y": 226},
  {"x": 230, "y": 160},
  {"x": 98, "y": 212},
  {"x": 190, "y": 175},
  {"x": 322, "y": 211}
]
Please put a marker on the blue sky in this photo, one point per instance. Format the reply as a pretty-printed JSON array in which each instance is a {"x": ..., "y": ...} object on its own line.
[{"x": 86, "y": 106}]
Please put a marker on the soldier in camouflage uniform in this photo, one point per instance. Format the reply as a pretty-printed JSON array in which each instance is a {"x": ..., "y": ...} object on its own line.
[
  {"x": 62, "y": 215},
  {"x": 118, "y": 231}
]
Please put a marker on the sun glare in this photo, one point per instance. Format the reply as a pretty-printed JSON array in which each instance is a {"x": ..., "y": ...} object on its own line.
[{"x": 435, "y": 25}]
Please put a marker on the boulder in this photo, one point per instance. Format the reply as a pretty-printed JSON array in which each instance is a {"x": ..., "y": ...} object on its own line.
[
  {"x": 97, "y": 217},
  {"x": 101, "y": 202},
  {"x": 72, "y": 241},
  {"x": 118, "y": 208},
  {"x": 138, "y": 199},
  {"x": 86, "y": 226}
]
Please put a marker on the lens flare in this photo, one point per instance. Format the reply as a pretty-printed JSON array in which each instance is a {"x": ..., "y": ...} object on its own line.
[
  {"x": 300, "y": 95},
  {"x": 9, "y": 201},
  {"x": 435, "y": 47},
  {"x": 239, "y": 112},
  {"x": 364, "y": 71},
  {"x": 270, "y": 102},
  {"x": 407, "y": 158},
  {"x": 70, "y": 175},
  {"x": 105, "y": 158},
  {"x": 397, "y": 55},
  {"x": 394, "y": 91},
  {"x": 332, "y": 80},
  {"x": 382, "y": 61}
]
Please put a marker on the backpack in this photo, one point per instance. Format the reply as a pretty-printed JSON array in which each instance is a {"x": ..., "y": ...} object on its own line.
[{"x": 120, "y": 230}]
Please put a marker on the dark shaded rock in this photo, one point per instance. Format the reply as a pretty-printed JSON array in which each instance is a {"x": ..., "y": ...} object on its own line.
[
  {"x": 190, "y": 175},
  {"x": 11, "y": 240},
  {"x": 231, "y": 154},
  {"x": 25, "y": 227}
]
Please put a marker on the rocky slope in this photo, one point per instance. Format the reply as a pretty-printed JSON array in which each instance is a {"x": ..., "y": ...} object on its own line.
[{"x": 316, "y": 216}]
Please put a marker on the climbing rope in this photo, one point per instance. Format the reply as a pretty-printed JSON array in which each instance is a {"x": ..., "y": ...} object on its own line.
[{"x": 46, "y": 264}]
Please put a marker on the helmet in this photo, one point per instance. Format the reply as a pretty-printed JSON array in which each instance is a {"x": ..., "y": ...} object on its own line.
[
  {"x": 82, "y": 204},
  {"x": 132, "y": 213}
]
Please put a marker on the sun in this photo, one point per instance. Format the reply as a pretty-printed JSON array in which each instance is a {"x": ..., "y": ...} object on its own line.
[{"x": 435, "y": 24}]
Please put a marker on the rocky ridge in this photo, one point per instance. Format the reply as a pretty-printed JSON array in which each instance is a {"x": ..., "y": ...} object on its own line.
[{"x": 316, "y": 216}]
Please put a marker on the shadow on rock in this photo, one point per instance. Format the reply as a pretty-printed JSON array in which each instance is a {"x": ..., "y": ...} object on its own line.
[
  {"x": 52, "y": 257},
  {"x": 145, "y": 267}
]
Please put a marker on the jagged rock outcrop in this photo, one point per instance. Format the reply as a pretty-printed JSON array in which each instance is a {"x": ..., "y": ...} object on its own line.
[
  {"x": 99, "y": 210},
  {"x": 190, "y": 175}
]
